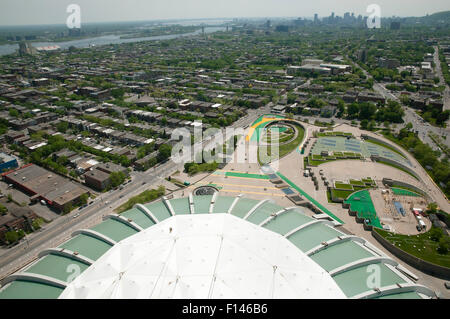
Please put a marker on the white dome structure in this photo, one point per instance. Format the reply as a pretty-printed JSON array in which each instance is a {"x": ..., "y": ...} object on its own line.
[
  {"x": 204, "y": 256},
  {"x": 213, "y": 246}
]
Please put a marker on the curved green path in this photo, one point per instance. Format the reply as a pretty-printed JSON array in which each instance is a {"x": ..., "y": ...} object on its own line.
[
  {"x": 404, "y": 192},
  {"x": 319, "y": 205}
]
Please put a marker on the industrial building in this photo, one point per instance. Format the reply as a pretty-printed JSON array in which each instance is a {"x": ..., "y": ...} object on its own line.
[
  {"x": 7, "y": 162},
  {"x": 40, "y": 184}
]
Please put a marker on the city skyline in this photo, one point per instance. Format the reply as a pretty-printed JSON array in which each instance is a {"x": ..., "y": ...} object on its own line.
[{"x": 47, "y": 12}]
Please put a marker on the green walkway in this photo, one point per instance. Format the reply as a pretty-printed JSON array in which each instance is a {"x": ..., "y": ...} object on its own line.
[
  {"x": 320, "y": 206},
  {"x": 235, "y": 174},
  {"x": 404, "y": 192},
  {"x": 361, "y": 203}
]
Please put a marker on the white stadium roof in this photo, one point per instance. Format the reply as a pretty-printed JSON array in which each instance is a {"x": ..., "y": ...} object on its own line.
[{"x": 204, "y": 256}]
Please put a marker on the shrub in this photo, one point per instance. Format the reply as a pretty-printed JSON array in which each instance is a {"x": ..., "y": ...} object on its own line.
[
  {"x": 436, "y": 234},
  {"x": 444, "y": 244}
]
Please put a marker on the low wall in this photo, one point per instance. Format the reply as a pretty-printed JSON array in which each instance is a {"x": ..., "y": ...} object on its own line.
[
  {"x": 367, "y": 137},
  {"x": 388, "y": 160},
  {"x": 390, "y": 182},
  {"x": 420, "y": 264}
]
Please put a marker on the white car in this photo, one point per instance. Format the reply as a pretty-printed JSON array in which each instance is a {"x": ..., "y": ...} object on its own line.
[{"x": 75, "y": 216}]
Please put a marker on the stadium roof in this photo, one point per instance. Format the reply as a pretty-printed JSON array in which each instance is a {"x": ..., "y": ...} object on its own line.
[
  {"x": 320, "y": 250},
  {"x": 204, "y": 256}
]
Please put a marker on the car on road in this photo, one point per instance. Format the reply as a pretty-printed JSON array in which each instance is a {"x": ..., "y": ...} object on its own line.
[
  {"x": 76, "y": 215},
  {"x": 143, "y": 183}
]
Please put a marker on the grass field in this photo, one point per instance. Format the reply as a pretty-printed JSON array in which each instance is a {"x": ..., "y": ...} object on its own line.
[
  {"x": 418, "y": 245},
  {"x": 356, "y": 182},
  {"x": 405, "y": 188},
  {"x": 144, "y": 197},
  {"x": 286, "y": 148},
  {"x": 343, "y": 186},
  {"x": 337, "y": 193}
]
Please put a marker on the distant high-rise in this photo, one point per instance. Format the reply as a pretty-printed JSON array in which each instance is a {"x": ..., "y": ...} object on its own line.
[
  {"x": 346, "y": 16},
  {"x": 316, "y": 18},
  {"x": 26, "y": 48},
  {"x": 268, "y": 24},
  {"x": 395, "y": 25}
]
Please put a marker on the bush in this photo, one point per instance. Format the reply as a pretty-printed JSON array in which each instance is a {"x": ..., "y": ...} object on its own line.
[
  {"x": 444, "y": 244},
  {"x": 3, "y": 210},
  {"x": 11, "y": 237},
  {"x": 436, "y": 234},
  {"x": 36, "y": 223}
]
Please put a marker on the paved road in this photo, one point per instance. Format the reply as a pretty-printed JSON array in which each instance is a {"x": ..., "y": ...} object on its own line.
[
  {"x": 412, "y": 117},
  {"x": 437, "y": 62}
]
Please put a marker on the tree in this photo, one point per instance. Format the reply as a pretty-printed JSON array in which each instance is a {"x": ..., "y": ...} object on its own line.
[
  {"x": 84, "y": 198},
  {"x": 444, "y": 244},
  {"x": 118, "y": 93},
  {"x": 36, "y": 224},
  {"x": 13, "y": 112},
  {"x": 117, "y": 178},
  {"x": 62, "y": 127},
  {"x": 436, "y": 234},
  {"x": 3, "y": 210},
  {"x": 12, "y": 236},
  {"x": 68, "y": 208},
  {"x": 364, "y": 124},
  {"x": 432, "y": 208},
  {"x": 164, "y": 153}
]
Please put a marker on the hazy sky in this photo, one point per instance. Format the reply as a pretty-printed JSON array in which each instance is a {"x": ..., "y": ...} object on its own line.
[{"x": 25, "y": 12}]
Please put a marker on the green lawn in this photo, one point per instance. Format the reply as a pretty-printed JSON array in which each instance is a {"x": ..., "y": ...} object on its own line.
[
  {"x": 418, "y": 245},
  {"x": 144, "y": 197},
  {"x": 286, "y": 148},
  {"x": 405, "y": 188},
  {"x": 337, "y": 193},
  {"x": 355, "y": 182},
  {"x": 343, "y": 186},
  {"x": 404, "y": 192}
]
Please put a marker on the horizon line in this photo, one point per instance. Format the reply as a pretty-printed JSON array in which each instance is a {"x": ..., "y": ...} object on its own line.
[{"x": 213, "y": 18}]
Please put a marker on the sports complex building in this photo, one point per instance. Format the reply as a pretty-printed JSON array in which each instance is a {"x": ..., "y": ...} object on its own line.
[{"x": 213, "y": 246}]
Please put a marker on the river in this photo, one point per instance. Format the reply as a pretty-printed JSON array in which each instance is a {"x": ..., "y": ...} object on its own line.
[{"x": 104, "y": 40}]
